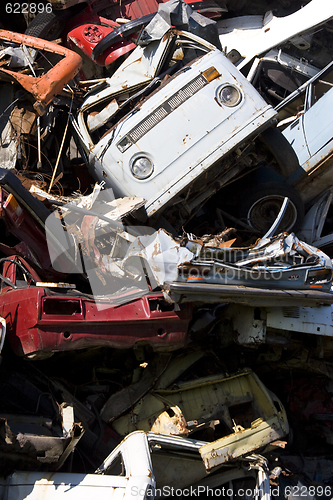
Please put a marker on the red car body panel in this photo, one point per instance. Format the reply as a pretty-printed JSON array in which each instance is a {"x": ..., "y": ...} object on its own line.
[
  {"x": 91, "y": 30},
  {"x": 41, "y": 321}
]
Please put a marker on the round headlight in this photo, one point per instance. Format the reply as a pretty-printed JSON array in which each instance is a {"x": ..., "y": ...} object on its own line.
[
  {"x": 229, "y": 95},
  {"x": 142, "y": 167}
]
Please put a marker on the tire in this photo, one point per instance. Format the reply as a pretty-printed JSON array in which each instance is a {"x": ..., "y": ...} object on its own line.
[
  {"x": 48, "y": 25},
  {"x": 263, "y": 204},
  {"x": 285, "y": 156}
]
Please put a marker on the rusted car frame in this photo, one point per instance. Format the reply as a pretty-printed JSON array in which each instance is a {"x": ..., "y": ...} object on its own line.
[
  {"x": 43, "y": 88},
  {"x": 238, "y": 407},
  {"x": 270, "y": 425}
]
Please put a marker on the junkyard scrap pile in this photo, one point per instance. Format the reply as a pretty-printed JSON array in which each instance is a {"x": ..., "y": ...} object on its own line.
[{"x": 166, "y": 187}]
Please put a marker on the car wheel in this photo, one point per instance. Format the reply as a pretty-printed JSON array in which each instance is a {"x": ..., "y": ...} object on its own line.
[
  {"x": 262, "y": 206},
  {"x": 48, "y": 25}
]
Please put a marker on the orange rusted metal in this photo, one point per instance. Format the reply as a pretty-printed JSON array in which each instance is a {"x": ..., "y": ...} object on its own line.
[{"x": 45, "y": 87}]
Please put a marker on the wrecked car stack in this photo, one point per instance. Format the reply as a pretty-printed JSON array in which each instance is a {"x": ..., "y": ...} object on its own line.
[{"x": 166, "y": 250}]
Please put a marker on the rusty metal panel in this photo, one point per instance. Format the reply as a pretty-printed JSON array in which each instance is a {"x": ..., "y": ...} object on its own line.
[
  {"x": 36, "y": 441},
  {"x": 242, "y": 442},
  {"x": 270, "y": 426}
]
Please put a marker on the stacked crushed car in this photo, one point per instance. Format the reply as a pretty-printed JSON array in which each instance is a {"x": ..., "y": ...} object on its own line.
[{"x": 166, "y": 249}]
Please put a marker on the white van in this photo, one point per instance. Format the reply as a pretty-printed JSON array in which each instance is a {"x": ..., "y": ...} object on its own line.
[{"x": 174, "y": 124}]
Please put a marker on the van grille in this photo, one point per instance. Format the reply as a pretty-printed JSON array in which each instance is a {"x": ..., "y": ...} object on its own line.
[
  {"x": 162, "y": 111},
  {"x": 291, "y": 312}
]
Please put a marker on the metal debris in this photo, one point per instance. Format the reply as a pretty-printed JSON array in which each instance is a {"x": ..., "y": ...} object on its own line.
[{"x": 166, "y": 249}]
